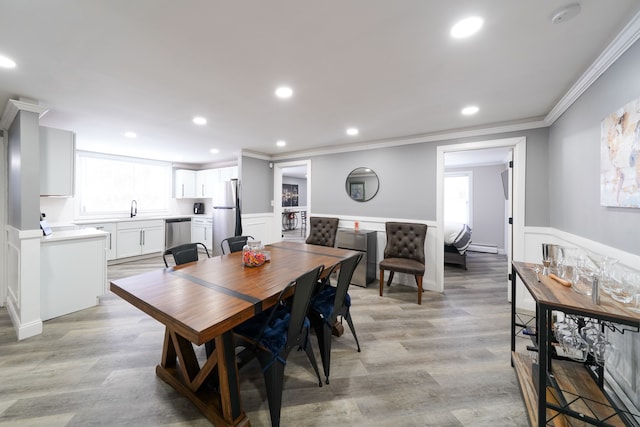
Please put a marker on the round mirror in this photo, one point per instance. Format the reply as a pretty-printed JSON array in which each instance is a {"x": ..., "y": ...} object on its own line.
[{"x": 362, "y": 184}]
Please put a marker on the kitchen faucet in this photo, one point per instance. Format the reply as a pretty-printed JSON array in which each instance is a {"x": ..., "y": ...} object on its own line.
[{"x": 134, "y": 211}]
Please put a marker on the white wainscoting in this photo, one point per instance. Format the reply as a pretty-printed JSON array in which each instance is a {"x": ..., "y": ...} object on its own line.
[
  {"x": 23, "y": 276},
  {"x": 259, "y": 226}
]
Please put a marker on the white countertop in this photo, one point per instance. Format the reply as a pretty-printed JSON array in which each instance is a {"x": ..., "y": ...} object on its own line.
[
  {"x": 135, "y": 218},
  {"x": 84, "y": 233}
]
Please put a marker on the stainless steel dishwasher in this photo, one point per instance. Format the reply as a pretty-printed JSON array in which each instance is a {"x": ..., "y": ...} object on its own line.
[{"x": 177, "y": 232}]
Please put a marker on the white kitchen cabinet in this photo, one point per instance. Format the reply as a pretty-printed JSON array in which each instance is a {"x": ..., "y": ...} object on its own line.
[
  {"x": 57, "y": 161},
  {"x": 201, "y": 231},
  {"x": 139, "y": 237},
  {"x": 185, "y": 184},
  {"x": 206, "y": 181},
  {"x": 73, "y": 271},
  {"x": 111, "y": 228},
  {"x": 228, "y": 173}
]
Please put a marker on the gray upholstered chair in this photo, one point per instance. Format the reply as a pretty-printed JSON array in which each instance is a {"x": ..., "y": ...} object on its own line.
[
  {"x": 322, "y": 231},
  {"x": 404, "y": 252}
]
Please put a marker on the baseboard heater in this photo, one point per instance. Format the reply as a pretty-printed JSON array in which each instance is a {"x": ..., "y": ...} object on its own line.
[{"x": 490, "y": 249}]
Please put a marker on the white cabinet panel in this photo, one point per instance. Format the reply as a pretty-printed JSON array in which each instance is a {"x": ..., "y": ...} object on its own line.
[
  {"x": 111, "y": 228},
  {"x": 73, "y": 274},
  {"x": 201, "y": 231},
  {"x": 140, "y": 237},
  {"x": 185, "y": 184},
  {"x": 152, "y": 240},
  {"x": 129, "y": 243},
  {"x": 206, "y": 181},
  {"x": 57, "y": 161}
]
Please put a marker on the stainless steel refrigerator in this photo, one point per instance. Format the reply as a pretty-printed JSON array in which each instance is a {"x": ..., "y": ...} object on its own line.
[{"x": 226, "y": 213}]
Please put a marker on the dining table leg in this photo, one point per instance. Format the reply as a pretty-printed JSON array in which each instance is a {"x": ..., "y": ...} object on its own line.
[{"x": 179, "y": 367}]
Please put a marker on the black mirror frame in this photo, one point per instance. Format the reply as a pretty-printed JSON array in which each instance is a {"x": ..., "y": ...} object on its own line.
[{"x": 355, "y": 187}]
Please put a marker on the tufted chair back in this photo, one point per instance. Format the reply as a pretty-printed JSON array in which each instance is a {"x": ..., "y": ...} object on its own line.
[
  {"x": 404, "y": 252},
  {"x": 322, "y": 231},
  {"x": 405, "y": 240}
]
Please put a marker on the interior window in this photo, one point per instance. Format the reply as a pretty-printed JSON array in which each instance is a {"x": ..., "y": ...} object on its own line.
[
  {"x": 107, "y": 184},
  {"x": 457, "y": 197}
]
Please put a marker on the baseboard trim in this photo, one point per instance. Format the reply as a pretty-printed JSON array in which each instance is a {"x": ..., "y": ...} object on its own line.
[{"x": 489, "y": 249}]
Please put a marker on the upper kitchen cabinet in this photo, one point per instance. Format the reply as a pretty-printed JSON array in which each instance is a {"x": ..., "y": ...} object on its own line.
[
  {"x": 57, "y": 161},
  {"x": 228, "y": 173},
  {"x": 206, "y": 181},
  {"x": 185, "y": 184}
]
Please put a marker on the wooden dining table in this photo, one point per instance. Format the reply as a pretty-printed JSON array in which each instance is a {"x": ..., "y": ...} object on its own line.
[{"x": 203, "y": 301}]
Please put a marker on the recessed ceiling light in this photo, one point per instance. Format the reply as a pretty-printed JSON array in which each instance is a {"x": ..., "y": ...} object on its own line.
[
  {"x": 281, "y": 143},
  {"x": 565, "y": 13},
  {"x": 199, "y": 120},
  {"x": 214, "y": 151},
  {"x": 6, "y": 62},
  {"x": 284, "y": 92},
  {"x": 130, "y": 134},
  {"x": 352, "y": 131},
  {"x": 466, "y": 27},
  {"x": 470, "y": 110}
]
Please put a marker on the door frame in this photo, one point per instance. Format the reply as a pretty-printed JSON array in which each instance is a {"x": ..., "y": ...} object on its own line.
[
  {"x": 276, "y": 234},
  {"x": 518, "y": 184}
]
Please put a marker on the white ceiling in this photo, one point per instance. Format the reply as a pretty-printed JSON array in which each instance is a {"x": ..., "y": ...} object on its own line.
[{"x": 389, "y": 68}]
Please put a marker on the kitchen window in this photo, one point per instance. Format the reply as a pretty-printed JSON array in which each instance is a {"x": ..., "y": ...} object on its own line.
[
  {"x": 108, "y": 184},
  {"x": 457, "y": 197}
]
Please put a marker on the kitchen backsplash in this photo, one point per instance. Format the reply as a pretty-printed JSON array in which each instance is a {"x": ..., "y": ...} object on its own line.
[{"x": 61, "y": 210}]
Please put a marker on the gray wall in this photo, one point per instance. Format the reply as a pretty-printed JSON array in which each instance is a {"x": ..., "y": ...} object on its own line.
[
  {"x": 302, "y": 188},
  {"x": 574, "y": 184},
  {"x": 23, "y": 157},
  {"x": 488, "y": 204},
  {"x": 408, "y": 179},
  {"x": 257, "y": 185}
]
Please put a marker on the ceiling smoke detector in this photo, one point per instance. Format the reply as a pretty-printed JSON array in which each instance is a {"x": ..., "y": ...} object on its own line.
[{"x": 565, "y": 13}]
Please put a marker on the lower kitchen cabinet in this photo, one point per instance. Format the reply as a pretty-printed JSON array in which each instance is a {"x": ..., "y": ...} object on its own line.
[
  {"x": 73, "y": 271},
  {"x": 111, "y": 228},
  {"x": 139, "y": 237},
  {"x": 201, "y": 231}
]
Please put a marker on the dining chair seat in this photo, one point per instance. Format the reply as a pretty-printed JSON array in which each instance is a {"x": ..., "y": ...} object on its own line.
[{"x": 403, "y": 265}]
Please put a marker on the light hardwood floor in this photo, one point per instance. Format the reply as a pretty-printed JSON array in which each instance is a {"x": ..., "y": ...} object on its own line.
[{"x": 445, "y": 363}]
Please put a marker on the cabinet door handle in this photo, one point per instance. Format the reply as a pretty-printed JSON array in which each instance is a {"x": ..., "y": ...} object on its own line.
[
  {"x": 182, "y": 190},
  {"x": 109, "y": 241},
  {"x": 143, "y": 237},
  {"x": 140, "y": 237},
  {"x": 203, "y": 189}
]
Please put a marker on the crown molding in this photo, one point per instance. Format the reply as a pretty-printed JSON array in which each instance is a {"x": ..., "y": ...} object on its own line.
[
  {"x": 623, "y": 41},
  {"x": 444, "y": 136},
  {"x": 12, "y": 108}
]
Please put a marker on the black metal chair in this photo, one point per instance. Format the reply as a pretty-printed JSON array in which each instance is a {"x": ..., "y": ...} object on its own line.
[
  {"x": 404, "y": 252},
  {"x": 234, "y": 244},
  {"x": 329, "y": 303},
  {"x": 322, "y": 231},
  {"x": 183, "y": 254},
  {"x": 272, "y": 334}
]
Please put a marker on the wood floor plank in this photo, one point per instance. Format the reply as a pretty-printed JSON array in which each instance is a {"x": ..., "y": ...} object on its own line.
[{"x": 445, "y": 363}]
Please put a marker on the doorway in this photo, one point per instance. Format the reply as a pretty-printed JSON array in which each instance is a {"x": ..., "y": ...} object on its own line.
[
  {"x": 296, "y": 175},
  {"x": 514, "y": 208}
]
